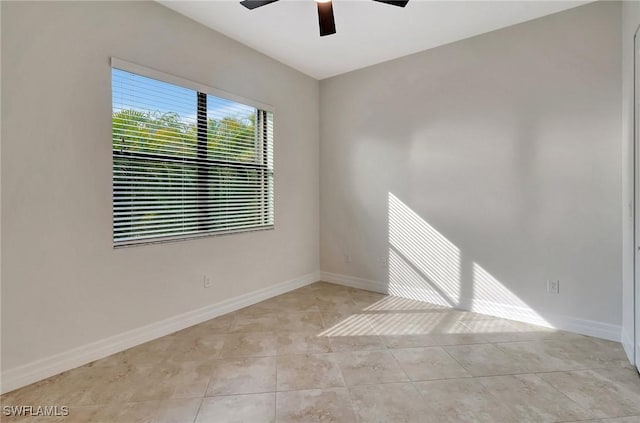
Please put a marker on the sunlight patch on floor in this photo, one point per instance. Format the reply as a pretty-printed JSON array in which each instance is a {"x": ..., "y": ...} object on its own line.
[{"x": 354, "y": 325}]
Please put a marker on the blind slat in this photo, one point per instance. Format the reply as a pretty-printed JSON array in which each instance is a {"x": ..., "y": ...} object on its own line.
[{"x": 141, "y": 239}]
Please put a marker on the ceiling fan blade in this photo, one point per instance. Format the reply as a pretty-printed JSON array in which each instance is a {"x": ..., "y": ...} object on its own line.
[
  {"x": 252, "y": 4},
  {"x": 325, "y": 18},
  {"x": 394, "y": 2}
]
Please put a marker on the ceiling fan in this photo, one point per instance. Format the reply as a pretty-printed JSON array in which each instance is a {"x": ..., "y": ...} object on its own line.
[{"x": 325, "y": 12}]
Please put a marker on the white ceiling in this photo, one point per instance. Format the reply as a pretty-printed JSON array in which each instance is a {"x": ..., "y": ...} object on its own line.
[{"x": 368, "y": 32}]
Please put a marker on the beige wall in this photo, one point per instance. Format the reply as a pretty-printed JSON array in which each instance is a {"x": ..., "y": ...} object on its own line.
[
  {"x": 63, "y": 285},
  {"x": 630, "y": 22},
  {"x": 483, "y": 168}
]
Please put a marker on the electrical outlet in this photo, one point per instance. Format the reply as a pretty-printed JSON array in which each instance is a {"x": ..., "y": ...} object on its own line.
[
  {"x": 207, "y": 281},
  {"x": 553, "y": 286}
]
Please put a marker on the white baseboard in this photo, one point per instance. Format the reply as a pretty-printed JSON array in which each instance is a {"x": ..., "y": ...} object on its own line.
[
  {"x": 354, "y": 282},
  {"x": 627, "y": 344},
  {"x": 41, "y": 369},
  {"x": 572, "y": 324}
]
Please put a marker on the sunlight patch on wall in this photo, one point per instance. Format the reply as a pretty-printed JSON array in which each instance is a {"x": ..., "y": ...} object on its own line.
[
  {"x": 492, "y": 297},
  {"x": 423, "y": 264},
  {"x": 406, "y": 281}
]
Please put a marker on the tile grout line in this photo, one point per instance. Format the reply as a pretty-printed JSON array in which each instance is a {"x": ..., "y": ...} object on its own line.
[
  {"x": 393, "y": 357},
  {"x": 553, "y": 388},
  {"x": 457, "y": 361},
  {"x": 195, "y": 418},
  {"x": 347, "y": 388}
]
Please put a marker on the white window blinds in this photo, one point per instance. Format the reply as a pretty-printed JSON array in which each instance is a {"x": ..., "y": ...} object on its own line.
[{"x": 186, "y": 163}]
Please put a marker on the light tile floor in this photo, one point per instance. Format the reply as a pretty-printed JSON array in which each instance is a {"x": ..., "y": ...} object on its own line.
[{"x": 327, "y": 353}]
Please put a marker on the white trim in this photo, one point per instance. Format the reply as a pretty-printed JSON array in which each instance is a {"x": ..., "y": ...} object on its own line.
[
  {"x": 627, "y": 344},
  {"x": 354, "y": 282},
  {"x": 572, "y": 324},
  {"x": 635, "y": 204},
  {"x": 186, "y": 83},
  {"x": 41, "y": 369}
]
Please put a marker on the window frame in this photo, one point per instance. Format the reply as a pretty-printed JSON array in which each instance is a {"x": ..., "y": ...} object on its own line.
[{"x": 261, "y": 139}]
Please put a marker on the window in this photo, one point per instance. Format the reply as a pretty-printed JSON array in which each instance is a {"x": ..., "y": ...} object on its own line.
[{"x": 185, "y": 162}]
